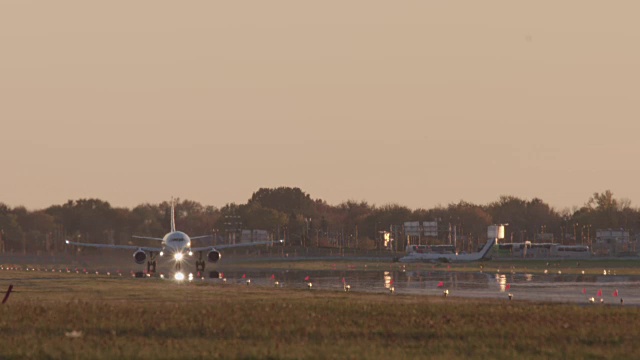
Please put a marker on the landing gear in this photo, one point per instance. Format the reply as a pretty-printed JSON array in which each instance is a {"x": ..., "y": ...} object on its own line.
[
  {"x": 200, "y": 263},
  {"x": 151, "y": 267},
  {"x": 151, "y": 264}
]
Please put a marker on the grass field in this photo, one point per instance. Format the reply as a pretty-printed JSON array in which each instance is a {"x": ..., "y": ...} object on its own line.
[{"x": 54, "y": 315}]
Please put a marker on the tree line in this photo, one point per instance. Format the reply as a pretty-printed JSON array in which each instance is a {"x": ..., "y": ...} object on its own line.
[{"x": 293, "y": 215}]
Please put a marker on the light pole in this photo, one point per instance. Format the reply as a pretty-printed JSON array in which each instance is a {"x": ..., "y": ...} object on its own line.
[
  {"x": 588, "y": 227},
  {"x": 215, "y": 236},
  {"x": 306, "y": 231}
]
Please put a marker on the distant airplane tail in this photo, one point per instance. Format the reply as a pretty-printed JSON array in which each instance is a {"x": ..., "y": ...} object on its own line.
[
  {"x": 173, "y": 217},
  {"x": 485, "y": 250}
]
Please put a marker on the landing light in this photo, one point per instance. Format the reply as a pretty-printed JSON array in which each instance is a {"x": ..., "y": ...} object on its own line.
[
  {"x": 178, "y": 257},
  {"x": 161, "y": 253},
  {"x": 179, "y": 276},
  {"x": 190, "y": 253}
]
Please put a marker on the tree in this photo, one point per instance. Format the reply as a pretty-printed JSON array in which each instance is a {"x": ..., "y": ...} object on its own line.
[
  {"x": 284, "y": 199},
  {"x": 510, "y": 210},
  {"x": 470, "y": 219},
  {"x": 148, "y": 220},
  {"x": 91, "y": 219},
  {"x": 38, "y": 226},
  {"x": 603, "y": 211},
  {"x": 354, "y": 215},
  {"x": 12, "y": 233},
  {"x": 525, "y": 218},
  {"x": 194, "y": 218},
  {"x": 255, "y": 216},
  {"x": 604, "y": 202}
]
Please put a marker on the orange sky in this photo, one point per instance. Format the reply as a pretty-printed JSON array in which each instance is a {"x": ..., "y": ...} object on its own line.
[{"x": 418, "y": 103}]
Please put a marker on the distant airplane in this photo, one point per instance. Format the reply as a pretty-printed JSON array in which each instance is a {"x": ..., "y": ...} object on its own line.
[
  {"x": 176, "y": 245},
  {"x": 414, "y": 256}
]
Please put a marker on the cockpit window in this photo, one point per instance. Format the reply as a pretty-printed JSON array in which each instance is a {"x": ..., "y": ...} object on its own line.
[{"x": 177, "y": 239}]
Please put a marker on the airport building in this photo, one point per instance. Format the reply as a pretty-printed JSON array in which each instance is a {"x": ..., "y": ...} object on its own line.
[
  {"x": 614, "y": 242},
  {"x": 249, "y": 236}
]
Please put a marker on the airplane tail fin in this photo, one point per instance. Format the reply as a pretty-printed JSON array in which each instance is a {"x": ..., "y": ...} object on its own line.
[
  {"x": 485, "y": 250},
  {"x": 173, "y": 216}
]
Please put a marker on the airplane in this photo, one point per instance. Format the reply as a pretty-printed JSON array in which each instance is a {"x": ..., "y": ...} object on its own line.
[
  {"x": 177, "y": 246},
  {"x": 414, "y": 256}
]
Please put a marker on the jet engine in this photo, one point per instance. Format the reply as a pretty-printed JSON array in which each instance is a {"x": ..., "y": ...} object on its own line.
[
  {"x": 213, "y": 256},
  {"x": 139, "y": 256}
]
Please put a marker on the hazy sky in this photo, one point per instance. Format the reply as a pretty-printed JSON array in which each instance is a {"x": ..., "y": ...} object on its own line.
[{"x": 417, "y": 102}]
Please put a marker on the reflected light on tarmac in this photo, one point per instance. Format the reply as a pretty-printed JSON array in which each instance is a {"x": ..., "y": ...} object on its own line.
[{"x": 502, "y": 280}]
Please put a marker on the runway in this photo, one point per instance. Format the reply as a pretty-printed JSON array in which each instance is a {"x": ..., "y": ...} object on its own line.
[{"x": 557, "y": 287}]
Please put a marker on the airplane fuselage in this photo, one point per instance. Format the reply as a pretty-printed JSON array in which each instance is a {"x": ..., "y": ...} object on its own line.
[{"x": 176, "y": 242}]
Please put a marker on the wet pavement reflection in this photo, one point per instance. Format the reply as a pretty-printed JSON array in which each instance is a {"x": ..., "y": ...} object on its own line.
[
  {"x": 535, "y": 287},
  {"x": 553, "y": 287}
]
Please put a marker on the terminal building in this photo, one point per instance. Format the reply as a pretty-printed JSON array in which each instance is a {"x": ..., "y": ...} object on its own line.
[
  {"x": 531, "y": 250},
  {"x": 614, "y": 242},
  {"x": 249, "y": 236}
]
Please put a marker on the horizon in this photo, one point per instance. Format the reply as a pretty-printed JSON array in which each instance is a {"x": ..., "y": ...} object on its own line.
[{"x": 415, "y": 104}]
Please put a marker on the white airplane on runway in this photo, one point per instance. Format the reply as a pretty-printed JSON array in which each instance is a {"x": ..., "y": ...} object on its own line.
[
  {"x": 176, "y": 245},
  {"x": 415, "y": 256}
]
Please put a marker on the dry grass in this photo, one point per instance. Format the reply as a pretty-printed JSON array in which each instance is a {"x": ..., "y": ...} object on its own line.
[{"x": 150, "y": 318}]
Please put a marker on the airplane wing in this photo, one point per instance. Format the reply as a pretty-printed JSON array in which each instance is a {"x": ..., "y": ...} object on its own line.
[
  {"x": 230, "y": 246},
  {"x": 200, "y": 237},
  {"x": 147, "y": 238},
  {"x": 106, "y": 246}
]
